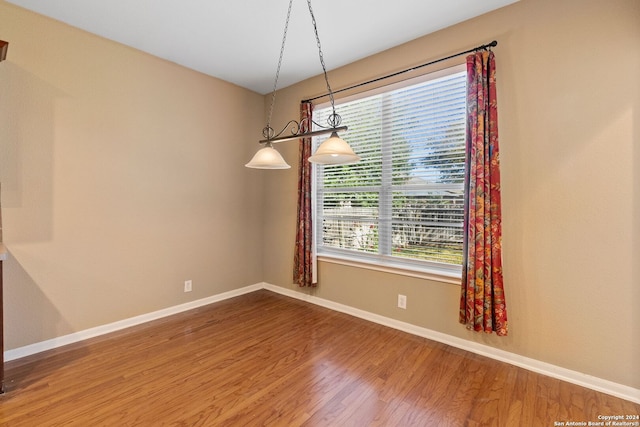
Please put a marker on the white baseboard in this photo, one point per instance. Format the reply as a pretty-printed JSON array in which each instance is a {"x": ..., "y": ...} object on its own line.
[
  {"x": 584, "y": 380},
  {"x": 574, "y": 377},
  {"x": 38, "y": 347}
]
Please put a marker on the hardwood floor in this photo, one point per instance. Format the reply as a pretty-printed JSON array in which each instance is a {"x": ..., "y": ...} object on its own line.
[{"x": 265, "y": 359}]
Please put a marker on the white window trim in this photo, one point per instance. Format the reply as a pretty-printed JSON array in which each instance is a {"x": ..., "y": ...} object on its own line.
[
  {"x": 420, "y": 272},
  {"x": 405, "y": 267}
]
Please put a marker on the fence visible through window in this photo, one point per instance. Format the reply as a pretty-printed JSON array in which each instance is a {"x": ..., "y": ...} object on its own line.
[{"x": 405, "y": 199}]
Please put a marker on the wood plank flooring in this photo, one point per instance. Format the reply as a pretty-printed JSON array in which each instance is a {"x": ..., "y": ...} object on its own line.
[{"x": 265, "y": 359}]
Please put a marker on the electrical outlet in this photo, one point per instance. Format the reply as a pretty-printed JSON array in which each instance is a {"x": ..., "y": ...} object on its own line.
[
  {"x": 402, "y": 301},
  {"x": 187, "y": 285}
]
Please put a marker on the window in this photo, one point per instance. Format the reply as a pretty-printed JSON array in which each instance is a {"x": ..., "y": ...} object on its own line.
[{"x": 401, "y": 207}]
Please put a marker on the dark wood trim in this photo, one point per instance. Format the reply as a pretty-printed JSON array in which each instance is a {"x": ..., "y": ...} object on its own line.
[{"x": 3, "y": 50}]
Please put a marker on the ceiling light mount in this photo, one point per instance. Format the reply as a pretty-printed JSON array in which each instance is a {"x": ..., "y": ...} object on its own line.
[{"x": 339, "y": 151}]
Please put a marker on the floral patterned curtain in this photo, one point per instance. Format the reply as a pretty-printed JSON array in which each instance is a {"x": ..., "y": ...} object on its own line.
[
  {"x": 304, "y": 256},
  {"x": 482, "y": 302}
]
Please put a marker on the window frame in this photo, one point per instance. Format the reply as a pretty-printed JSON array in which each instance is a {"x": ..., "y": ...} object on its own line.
[{"x": 442, "y": 272}]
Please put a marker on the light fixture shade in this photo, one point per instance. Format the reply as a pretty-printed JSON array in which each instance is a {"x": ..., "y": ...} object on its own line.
[
  {"x": 267, "y": 158},
  {"x": 334, "y": 151}
]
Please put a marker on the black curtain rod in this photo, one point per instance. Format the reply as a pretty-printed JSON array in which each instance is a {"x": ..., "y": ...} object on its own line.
[{"x": 484, "y": 46}]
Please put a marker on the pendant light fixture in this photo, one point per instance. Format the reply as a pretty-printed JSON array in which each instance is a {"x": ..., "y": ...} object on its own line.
[{"x": 333, "y": 151}]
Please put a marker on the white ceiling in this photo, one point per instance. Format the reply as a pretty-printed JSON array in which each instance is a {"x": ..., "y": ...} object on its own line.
[{"x": 239, "y": 40}]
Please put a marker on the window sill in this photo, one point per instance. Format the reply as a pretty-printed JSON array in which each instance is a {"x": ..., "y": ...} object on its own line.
[{"x": 452, "y": 277}]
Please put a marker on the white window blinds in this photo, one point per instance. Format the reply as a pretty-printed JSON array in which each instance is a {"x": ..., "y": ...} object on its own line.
[{"x": 403, "y": 203}]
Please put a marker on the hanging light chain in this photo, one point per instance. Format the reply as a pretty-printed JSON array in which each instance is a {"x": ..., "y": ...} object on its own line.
[
  {"x": 267, "y": 132},
  {"x": 334, "y": 119}
]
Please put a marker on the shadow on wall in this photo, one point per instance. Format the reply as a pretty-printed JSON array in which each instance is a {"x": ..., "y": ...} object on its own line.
[
  {"x": 26, "y": 154},
  {"x": 24, "y": 299},
  {"x": 27, "y": 110}
]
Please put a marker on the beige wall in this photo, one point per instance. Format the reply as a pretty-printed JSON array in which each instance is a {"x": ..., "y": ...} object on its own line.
[
  {"x": 122, "y": 177},
  {"x": 568, "y": 97}
]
